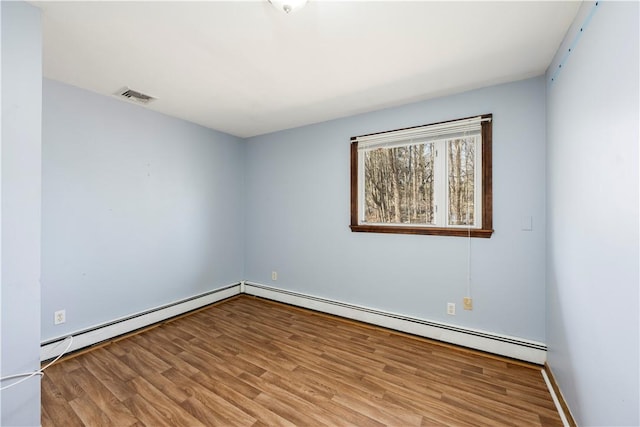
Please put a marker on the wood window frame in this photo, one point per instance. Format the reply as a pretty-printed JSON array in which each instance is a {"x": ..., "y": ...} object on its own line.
[{"x": 485, "y": 231}]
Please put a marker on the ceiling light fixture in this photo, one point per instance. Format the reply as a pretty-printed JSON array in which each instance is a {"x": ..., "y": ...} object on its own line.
[{"x": 288, "y": 6}]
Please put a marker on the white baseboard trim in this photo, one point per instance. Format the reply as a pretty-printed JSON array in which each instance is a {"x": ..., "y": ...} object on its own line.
[
  {"x": 516, "y": 348},
  {"x": 99, "y": 333},
  {"x": 565, "y": 422}
]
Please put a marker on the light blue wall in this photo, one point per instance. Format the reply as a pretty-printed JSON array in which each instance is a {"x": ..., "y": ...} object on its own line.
[
  {"x": 139, "y": 209},
  {"x": 21, "y": 190},
  {"x": 297, "y": 219},
  {"x": 592, "y": 209}
]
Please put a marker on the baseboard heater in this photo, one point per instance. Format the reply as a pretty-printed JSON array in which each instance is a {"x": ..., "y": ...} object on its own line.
[
  {"x": 516, "y": 348},
  {"x": 106, "y": 331}
]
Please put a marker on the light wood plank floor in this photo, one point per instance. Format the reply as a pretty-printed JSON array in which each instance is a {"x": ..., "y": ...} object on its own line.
[{"x": 251, "y": 362}]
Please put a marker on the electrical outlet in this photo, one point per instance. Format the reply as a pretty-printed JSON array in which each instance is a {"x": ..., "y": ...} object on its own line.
[
  {"x": 468, "y": 303},
  {"x": 59, "y": 317},
  {"x": 274, "y": 275},
  {"x": 451, "y": 308}
]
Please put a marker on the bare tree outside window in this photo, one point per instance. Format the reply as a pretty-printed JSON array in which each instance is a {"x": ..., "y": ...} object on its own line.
[
  {"x": 433, "y": 179},
  {"x": 461, "y": 165},
  {"x": 399, "y": 185}
]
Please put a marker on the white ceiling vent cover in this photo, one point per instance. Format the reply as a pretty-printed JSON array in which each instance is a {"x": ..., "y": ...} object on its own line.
[{"x": 134, "y": 96}]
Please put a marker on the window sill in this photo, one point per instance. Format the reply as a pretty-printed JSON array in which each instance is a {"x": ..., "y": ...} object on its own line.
[{"x": 433, "y": 231}]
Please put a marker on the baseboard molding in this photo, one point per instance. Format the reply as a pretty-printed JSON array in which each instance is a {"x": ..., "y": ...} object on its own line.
[
  {"x": 556, "y": 393},
  {"x": 103, "y": 332},
  {"x": 516, "y": 348}
]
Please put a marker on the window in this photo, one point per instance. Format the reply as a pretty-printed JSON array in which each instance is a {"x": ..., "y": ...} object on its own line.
[{"x": 433, "y": 179}]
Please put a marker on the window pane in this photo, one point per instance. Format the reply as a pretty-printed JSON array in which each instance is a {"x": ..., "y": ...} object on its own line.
[
  {"x": 461, "y": 171},
  {"x": 398, "y": 185}
]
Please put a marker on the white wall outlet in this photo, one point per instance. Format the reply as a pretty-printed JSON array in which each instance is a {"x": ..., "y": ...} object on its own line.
[
  {"x": 451, "y": 308},
  {"x": 59, "y": 317},
  {"x": 274, "y": 275}
]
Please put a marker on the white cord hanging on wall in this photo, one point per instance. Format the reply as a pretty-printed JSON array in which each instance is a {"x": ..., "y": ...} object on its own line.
[{"x": 467, "y": 301}]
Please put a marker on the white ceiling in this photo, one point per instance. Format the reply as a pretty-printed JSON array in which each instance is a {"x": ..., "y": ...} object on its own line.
[{"x": 245, "y": 68}]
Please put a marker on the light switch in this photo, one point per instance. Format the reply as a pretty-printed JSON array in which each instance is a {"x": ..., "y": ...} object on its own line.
[{"x": 526, "y": 223}]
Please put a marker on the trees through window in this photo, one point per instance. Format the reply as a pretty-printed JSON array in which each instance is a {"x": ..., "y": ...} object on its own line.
[{"x": 433, "y": 179}]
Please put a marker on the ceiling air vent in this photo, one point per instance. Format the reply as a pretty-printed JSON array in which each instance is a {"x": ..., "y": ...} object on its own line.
[{"x": 134, "y": 96}]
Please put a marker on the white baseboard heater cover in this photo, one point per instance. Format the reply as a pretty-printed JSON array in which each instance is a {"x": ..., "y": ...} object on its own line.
[
  {"x": 516, "y": 348},
  {"x": 103, "y": 332}
]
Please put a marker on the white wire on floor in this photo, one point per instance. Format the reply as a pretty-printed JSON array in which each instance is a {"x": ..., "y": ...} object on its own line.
[{"x": 40, "y": 371}]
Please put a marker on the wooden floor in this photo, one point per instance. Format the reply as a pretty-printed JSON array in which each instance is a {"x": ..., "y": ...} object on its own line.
[{"x": 250, "y": 362}]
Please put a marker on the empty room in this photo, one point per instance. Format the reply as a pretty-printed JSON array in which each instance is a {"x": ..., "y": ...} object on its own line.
[{"x": 307, "y": 213}]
